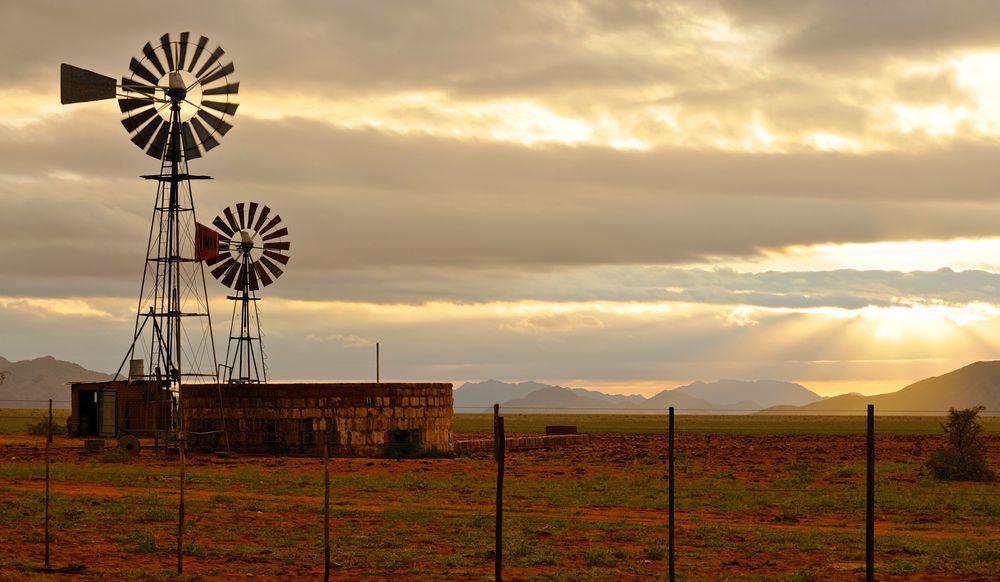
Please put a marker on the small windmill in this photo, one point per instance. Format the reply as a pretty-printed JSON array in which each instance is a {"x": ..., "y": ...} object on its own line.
[
  {"x": 177, "y": 100},
  {"x": 251, "y": 243}
]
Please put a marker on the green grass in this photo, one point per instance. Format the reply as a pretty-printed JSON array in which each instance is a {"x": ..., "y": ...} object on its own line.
[
  {"x": 578, "y": 518},
  {"x": 712, "y": 424},
  {"x": 20, "y": 420}
]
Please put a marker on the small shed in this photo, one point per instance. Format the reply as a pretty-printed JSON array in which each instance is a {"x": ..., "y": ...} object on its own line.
[
  {"x": 352, "y": 419},
  {"x": 116, "y": 408}
]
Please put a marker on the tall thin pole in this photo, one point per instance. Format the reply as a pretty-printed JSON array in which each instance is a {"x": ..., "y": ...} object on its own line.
[
  {"x": 326, "y": 512},
  {"x": 500, "y": 448},
  {"x": 181, "y": 445},
  {"x": 670, "y": 495},
  {"x": 378, "y": 365},
  {"x": 870, "y": 497},
  {"x": 47, "y": 447}
]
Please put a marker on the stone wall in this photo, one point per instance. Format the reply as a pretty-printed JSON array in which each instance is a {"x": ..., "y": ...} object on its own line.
[{"x": 359, "y": 420}]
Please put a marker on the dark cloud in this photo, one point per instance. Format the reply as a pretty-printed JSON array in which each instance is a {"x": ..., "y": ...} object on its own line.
[
  {"x": 331, "y": 46},
  {"x": 844, "y": 36},
  {"x": 359, "y": 200}
]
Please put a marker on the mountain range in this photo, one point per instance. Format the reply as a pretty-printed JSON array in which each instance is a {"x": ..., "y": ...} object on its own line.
[
  {"x": 722, "y": 397},
  {"x": 969, "y": 386},
  {"x": 973, "y": 385},
  {"x": 31, "y": 383}
]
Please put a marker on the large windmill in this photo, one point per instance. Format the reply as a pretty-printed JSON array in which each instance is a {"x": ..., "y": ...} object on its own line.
[
  {"x": 251, "y": 244},
  {"x": 177, "y": 100}
]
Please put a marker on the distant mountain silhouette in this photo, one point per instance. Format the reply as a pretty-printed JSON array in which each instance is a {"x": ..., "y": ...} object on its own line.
[
  {"x": 630, "y": 399},
  {"x": 31, "y": 383},
  {"x": 975, "y": 384},
  {"x": 753, "y": 395},
  {"x": 723, "y": 397},
  {"x": 478, "y": 396},
  {"x": 558, "y": 399}
]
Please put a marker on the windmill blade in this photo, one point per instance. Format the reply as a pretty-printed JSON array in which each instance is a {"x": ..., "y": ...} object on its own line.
[
  {"x": 217, "y": 258},
  {"x": 191, "y": 151},
  {"x": 231, "y": 219},
  {"x": 262, "y": 274},
  {"x": 129, "y": 104},
  {"x": 252, "y": 275},
  {"x": 283, "y": 259},
  {"x": 222, "y": 226},
  {"x": 145, "y": 134},
  {"x": 278, "y": 233},
  {"x": 275, "y": 269},
  {"x": 150, "y": 53},
  {"x": 168, "y": 51},
  {"x": 132, "y": 85},
  {"x": 218, "y": 74},
  {"x": 229, "y": 278},
  {"x": 214, "y": 122},
  {"x": 78, "y": 85},
  {"x": 240, "y": 215},
  {"x": 182, "y": 50},
  {"x": 253, "y": 211},
  {"x": 219, "y": 271},
  {"x": 280, "y": 246},
  {"x": 212, "y": 59},
  {"x": 263, "y": 217},
  {"x": 199, "y": 48},
  {"x": 159, "y": 142},
  {"x": 139, "y": 69},
  {"x": 230, "y": 89},
  {"x": 205, "y": 137},
  {"x": 227, "y": 108},
  {"x": 135, "y": 120},
  {"x": 274, "y": 222}
]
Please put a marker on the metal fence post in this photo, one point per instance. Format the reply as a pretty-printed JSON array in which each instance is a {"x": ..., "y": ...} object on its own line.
[
  {"x": 500, "y": 448},
  {"x": 181, "y": 445},
  {"x": 326, "y": 512},
  {"x": 870, "y": 499},
  {"x": 47, "y": 462},
  {"x": 670, "y": 494}
]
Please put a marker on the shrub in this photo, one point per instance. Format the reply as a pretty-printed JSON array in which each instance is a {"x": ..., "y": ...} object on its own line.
[
  {"x": 42, "y": 429},
  {"x": 963, "y": 457}
]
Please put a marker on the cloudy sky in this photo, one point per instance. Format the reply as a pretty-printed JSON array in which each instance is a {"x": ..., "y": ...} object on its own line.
[{"x": 617, "y": 195}]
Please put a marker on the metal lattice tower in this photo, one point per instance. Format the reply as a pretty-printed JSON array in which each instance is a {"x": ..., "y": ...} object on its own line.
[{"x": 176, "y": 103}]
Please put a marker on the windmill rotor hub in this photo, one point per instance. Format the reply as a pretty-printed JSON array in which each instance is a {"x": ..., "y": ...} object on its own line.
[{"x": 176, "y": 88}]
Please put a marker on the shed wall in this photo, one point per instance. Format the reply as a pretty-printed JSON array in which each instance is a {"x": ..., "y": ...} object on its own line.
[{"x": 355, "y": 419}]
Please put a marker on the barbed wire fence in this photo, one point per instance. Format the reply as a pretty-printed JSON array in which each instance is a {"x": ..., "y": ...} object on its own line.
[{"x": 26, "y": 417}]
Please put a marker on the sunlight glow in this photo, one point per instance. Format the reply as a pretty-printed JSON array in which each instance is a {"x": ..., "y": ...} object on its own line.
[
  {"x": 977, "y": 71},
  {"x": 59, "y": 307},
  {"x": 924, "y": 255}
]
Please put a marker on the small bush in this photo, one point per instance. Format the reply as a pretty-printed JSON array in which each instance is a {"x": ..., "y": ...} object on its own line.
[
  {"x": 655, "y": 553},
  {"x": 115, "y": 456},
  {"x": 963, "y": 458},
  {"x": 138, "y": 542},
  {"x": 42, "y": 429}
]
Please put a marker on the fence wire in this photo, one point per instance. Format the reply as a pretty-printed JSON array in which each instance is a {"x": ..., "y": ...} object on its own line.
[{"x": 588, "y": 511}]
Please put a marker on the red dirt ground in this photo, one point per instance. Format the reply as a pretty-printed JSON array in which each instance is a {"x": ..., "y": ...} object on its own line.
[{"x": 741, "y": 456}]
